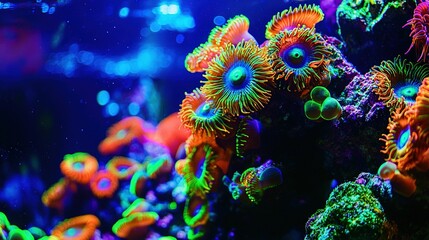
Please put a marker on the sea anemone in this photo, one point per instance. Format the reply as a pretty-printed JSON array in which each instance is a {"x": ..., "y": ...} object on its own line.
[
  {"x": 300, "y": 58},
  {"x": 400, "y": 141},
  {"x": 200, "y": 172},
  {"x": 419, "y": 24},
  {"x": 79, "y": 167},
  {"x": 139, "y": 205},
  {"x": 398, "y": 80},
  {"x": 196, "y": 211},
  {"x": 123, "y": 133},
  {"x": 122, "y": 167},
  {"x": 234, "y": 31},
  {"x": 77, "y": 228},
  {"x": 239, "y": 79},
  {"x": 288, "y": 19},
  {"x": 135, "y": 226},
  {"x": 104, "y": 184},
  {"x": 201, "y": 117},
  {"x": 159, "y": 165}
]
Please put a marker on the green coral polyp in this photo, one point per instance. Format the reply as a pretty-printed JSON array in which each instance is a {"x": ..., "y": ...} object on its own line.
[
  {"x": 312, "y": 110},
  {"x": 200, "y": 177}
]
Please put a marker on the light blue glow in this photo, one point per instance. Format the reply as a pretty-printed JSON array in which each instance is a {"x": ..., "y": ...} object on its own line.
[
  {"x": 219, "y": 20},
  {"x": 122, "y": 68},
  {"x": 109, "y": 67},
  {"x": 123, "y": 12},
  {"x": 79, "y": 166},
  {"x": 121, "y": 134},
  {"x": 113, "y": 109},
  {"x": 155, "y": 27},
  {"x": 187, "y": 22},
  {"x": 404, "y": 136},
  {"x": 103, "y": 97},
  {"x": 72, "y": 232},
  {"x": 133, "y": 108},
  {"x": 85, "y": 57},
  {"x": 104, "y": 183},
  {"x": 408, "y": 90}
]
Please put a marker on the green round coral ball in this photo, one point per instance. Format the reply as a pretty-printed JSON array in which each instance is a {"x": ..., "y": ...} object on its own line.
[
  {"x": 319, "y": 94},
  {"x": 312, "y": 110},
  {"x": 331, "y": 109}
]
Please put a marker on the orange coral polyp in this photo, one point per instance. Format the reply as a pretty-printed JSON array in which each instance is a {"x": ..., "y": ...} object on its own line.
[
  {"x": 54, "y": 196},
  {"x": 122, "y": 167},
  {"x": 170, "y": 133},
  {"x": 77, "y": 228},
  {"x": 123, "y": 133},
  {"x": 421, "y": 117},
  {"x": 104, "y": 184},
  {"x": 401, "y": 151},
  {"x": 199, "y": 59},
  {"x": 79, "y": 167},
  {"x": 307, "y": 15},
  {"x": 235, "y": 31}
]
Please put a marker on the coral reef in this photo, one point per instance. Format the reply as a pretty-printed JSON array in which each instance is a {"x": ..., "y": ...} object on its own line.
[{"x": 270, "y": 132}]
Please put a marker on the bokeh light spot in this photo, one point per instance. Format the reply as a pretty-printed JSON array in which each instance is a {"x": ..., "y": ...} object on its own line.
[
  {"x": 133, "y": 108},
  {"x": 123, "y": 12},
  {"x": 219, "y": 20},
  {"x": 113, "y": 109},
  {"x": 103, "y": 97}
]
